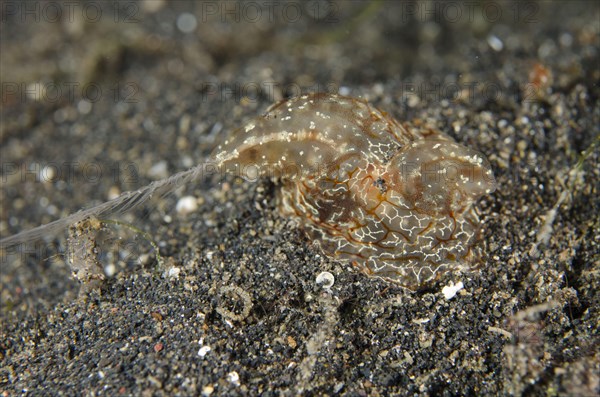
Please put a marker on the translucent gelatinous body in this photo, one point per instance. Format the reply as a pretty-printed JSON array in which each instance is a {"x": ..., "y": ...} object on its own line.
[{"x": 394, "y": 199}]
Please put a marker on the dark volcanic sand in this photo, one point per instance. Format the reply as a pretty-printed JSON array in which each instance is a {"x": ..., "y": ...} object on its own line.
[{"x": 235, "y": 308}]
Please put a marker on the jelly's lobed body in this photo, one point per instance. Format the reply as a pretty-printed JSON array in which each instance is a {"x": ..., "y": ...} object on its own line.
[{"x": 394, "y": 199}]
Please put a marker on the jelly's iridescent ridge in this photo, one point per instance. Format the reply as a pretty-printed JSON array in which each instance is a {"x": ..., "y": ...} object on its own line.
[{"x": 394, "y": 199}]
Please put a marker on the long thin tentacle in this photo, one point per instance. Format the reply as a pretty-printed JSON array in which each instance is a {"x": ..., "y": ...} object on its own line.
[{"x": 124, "y": 203}]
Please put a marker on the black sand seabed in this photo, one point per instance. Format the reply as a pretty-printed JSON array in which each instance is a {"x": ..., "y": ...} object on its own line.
[{"x": 235, "y": 308}]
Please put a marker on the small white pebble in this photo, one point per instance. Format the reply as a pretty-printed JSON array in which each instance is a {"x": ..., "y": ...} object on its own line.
[
  {"x": 174, "y": 272},
  {"x": 204, "y": 351},
  {"x": 187, "y": 161},
  {"x": 113, "y": 192},
  {"x": 325, "y": 280},
  {"x": 186, "y": 204},
  {"x": 186, "y": 22},
  {"x": 47, "y": 174},
  {"x": 110, "y": 269},
  {"x": 344, "y": 90},
  {"x": 494, "y": 42},
  {"x": 233, "y": 378},
  {"x": 84, "y": 106},
  {"x": 413, "y": 100},
  {"x": 208, "y": 390},
  {"x": 159, "y": 170},
  {"x": 450, "y": 290}
]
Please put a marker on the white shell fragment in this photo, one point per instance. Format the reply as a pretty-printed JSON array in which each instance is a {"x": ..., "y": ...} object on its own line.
[
  {"x": 186, "y": 205},
  {"x": 325, "y": 280},
  {"x": 450, "y": 291}
]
